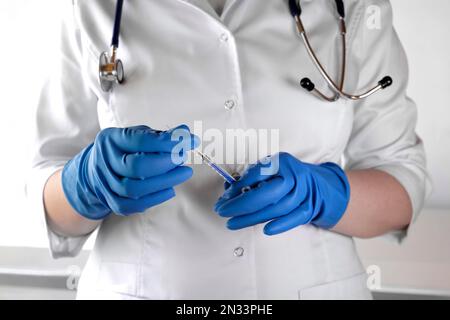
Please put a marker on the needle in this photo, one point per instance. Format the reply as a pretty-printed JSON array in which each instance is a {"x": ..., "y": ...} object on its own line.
[
  {"x": 222, "y": 172},
  {"x": 219, "y": 170}
]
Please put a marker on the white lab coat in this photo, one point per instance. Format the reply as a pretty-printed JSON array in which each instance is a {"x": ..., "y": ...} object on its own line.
[{"x": 183, "y": 63}]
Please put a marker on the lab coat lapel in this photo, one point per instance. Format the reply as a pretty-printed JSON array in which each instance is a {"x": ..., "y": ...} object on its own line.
[
  {"x": 206, "y": 7},
  {"x": 228, "y": 5},
  {"x": 202, "y": 5}
]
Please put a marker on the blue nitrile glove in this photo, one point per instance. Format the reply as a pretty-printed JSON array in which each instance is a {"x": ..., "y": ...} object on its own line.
[
  {"x": 297, "y": 194},
  {"x": 127, "y": 171}
]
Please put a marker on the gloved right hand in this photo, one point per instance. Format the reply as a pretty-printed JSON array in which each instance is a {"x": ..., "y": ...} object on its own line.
[{"x": 127, "y": 171}]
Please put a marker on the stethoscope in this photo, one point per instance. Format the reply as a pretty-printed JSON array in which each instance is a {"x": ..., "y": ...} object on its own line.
[
  {"x": 306, "y": 83},
  {"x": 111, "y": 69}
]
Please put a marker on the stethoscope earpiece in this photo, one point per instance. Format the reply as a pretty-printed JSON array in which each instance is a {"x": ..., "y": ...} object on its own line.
[
  {"x": 385, "y": 82},
  {"x": 307, "y": 84}
]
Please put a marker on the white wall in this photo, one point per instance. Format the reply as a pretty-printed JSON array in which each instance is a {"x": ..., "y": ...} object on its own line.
[
  {"x": 27, "y": 29},
  {"x": 422, "y": 262},
  {"x": 424, "y": 28}
]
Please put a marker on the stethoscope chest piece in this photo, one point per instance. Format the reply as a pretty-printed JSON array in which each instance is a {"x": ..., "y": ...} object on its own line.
[{"x": 110, "y": 70}]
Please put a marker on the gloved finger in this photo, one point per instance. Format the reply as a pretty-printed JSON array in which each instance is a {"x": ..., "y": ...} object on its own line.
[
  {"x": 300, "y": 216},
  {"x": 142, "y": 165},
  {"x": 127, "y": 206},
  {"x": 145, "y": 139},
  {"x": 184, "y": 141},
  {"x": 254, "y": 174},
  {"x": 226, "y": 185},
  {"x": 267, "y": 193},
  {"x": 282, "y": 208},
  {"x": 137, "y": 188},
  {"x": 250, "y": 178}
]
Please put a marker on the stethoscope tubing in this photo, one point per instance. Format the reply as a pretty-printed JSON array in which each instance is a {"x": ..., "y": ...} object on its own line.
[
  {"x": 338, "y": 90},
  {"x": 296, "y": 11},
  {"x": 117, "y": 22}
]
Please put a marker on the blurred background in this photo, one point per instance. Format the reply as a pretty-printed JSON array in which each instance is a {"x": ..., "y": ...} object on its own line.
[{"x": 419, "y": 268}]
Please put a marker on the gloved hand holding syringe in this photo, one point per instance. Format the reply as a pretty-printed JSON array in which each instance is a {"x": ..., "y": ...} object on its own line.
[{"x": 125, "y": 171}]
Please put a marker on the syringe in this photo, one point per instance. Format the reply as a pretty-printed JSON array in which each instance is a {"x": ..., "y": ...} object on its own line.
[
  {"x": 222, "y": 172},
  {"x": 219, "y": 170}
]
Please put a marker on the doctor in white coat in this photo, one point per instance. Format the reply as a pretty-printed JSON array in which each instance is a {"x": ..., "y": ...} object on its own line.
[{"x": 232, "y": 64}]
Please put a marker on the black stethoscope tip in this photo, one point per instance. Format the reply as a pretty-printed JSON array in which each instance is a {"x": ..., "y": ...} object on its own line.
[
  {"x": 307, "y": 84},
  {"x": 385, "y": 82}
]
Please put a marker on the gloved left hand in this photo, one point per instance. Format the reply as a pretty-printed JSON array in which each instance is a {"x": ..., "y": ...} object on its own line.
[{"x": 297, "y": 194}]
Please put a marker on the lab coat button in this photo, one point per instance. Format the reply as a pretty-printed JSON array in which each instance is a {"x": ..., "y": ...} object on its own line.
[
  {"x": 239, "y": 252},
  {"x": 224, "y": 37},
  {"x": 230, "y": 104}
]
